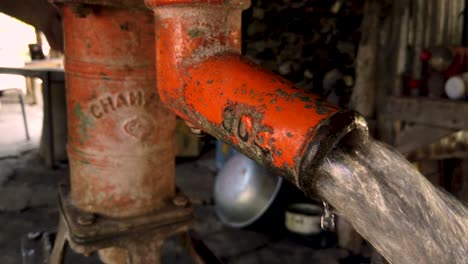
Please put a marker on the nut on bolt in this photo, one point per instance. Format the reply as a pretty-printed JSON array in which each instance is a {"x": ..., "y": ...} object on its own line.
[
  {"x": 195, "y": 130},
  {"x": 180, "y": 201},
  {"x": 86, "y": 219}
]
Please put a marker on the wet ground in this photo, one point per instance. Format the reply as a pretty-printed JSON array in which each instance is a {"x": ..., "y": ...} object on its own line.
[{"x": 28, "y": 204}]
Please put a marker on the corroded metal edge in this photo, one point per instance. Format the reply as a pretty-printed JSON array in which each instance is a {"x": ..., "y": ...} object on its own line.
[{"x": 329, "y": 133}]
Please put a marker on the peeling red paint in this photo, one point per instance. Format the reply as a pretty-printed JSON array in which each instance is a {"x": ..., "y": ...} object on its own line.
[
  {"x": 121, "y": 138},
  {"x": 227, "y": 95}
]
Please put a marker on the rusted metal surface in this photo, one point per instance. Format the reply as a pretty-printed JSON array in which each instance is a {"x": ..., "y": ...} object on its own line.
[
  {"x": 104, "y": 230},
  {"x": 121, "y": 138},
  {"x": 138, "y": 239},
  {"x": 121, "y": 141},
  {"x": 98, "y": 4},
  {"x": 101, "y": 231},
  {"x": 203, "y": 78}
]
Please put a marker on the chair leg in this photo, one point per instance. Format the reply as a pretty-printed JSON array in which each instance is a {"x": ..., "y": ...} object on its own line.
[{"x": 24, "y": 117}]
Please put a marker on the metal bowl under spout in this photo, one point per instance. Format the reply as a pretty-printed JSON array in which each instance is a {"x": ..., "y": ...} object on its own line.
[{"x": 243, "y": 192}]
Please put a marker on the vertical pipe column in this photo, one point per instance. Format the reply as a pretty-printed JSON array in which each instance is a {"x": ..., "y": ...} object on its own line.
[
  {"x": 121, "y": 138},
  {"x": 121, "y": 142}
]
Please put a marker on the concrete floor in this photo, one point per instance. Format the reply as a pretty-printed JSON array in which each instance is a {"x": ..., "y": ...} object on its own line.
[
  {"x": 28, "y": 204},
  {"x": 13, "y": 136}
]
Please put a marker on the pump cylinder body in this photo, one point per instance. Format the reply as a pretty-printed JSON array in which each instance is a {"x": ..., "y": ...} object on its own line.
[{"x": 121, "y": 138}]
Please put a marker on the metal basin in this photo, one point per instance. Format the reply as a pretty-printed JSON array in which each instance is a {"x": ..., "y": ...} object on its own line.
[{"x": 243, "y": 191}]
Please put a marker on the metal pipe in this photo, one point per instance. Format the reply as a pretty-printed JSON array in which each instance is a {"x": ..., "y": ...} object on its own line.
[
  {"x": 121, "y": 142},
  {"x": 203, "y": 78}
]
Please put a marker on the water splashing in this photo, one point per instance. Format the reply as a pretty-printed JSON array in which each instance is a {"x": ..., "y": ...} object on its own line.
[
  {"x": 393, "y": 206},
  {"x": 327, "y": 221}
]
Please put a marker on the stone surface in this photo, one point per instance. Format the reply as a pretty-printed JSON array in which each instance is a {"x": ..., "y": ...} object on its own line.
[
  {"x": 173, "y": 252},
  {"x": 15, "y": 197},
  {"x": 210, "y": 223},
  {"x": 229, "y": 243},
  {"x": 7, "y": 170}
]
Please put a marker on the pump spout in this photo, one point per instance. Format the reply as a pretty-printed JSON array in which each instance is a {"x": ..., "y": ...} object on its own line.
[{"x": 203, "y": 78}]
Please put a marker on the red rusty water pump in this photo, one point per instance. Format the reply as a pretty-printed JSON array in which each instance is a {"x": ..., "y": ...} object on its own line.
[{"x": 121, "y": 138}]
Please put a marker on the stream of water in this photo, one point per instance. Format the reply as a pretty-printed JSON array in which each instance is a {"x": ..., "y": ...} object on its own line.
[{"x": 393, "y": 206}]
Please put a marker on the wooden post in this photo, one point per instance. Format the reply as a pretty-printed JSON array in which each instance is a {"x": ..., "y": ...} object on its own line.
[
  {"x": 363, "y": 96},
  {"x": 392, "y": 51}
]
